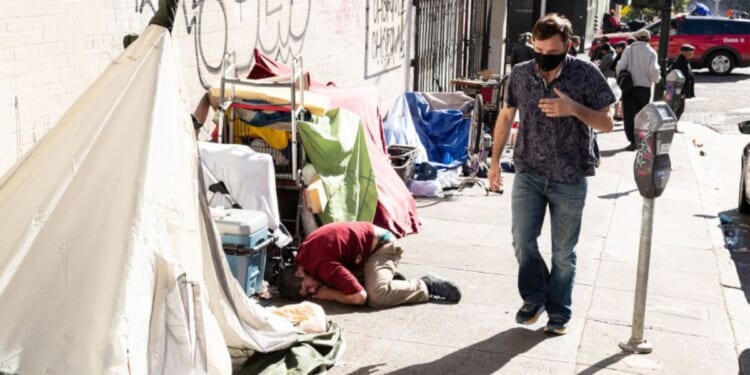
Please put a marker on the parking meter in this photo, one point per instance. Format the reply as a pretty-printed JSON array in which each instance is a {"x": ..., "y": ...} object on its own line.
[
  {"x": 655, "y": 125},
  {"x": 673, "y": 94}
]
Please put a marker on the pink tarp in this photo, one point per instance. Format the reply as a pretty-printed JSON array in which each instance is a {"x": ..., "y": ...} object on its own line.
[{"x": 396, "y": 209}]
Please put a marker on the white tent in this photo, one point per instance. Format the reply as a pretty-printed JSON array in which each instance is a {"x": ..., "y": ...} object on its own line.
[{"x": 109, "y": 263}]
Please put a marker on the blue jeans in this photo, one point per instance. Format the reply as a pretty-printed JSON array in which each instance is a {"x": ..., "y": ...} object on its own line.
[{"x": 532, "y": 195}]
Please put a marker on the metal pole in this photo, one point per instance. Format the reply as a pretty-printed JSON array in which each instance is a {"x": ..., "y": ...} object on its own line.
[
  {"x": 666, "y": 21},
  {"x": 637, "y": 344}
]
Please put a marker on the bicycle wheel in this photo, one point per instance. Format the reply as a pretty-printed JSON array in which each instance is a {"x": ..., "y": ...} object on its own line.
[{"x": 476, "y": 131}]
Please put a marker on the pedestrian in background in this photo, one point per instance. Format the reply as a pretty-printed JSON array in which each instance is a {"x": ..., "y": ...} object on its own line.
[
  {"x": 561, "y": 100},
  {"x": 605, "y": 64},
  {"x": 682, "y": 64},
  {"x": 598, "y": 52},
  {"x": 575, "y": 44},
  {"x": 523, "y": 51},
  {"x": 640, "y": 60},
  {"x": 619, "y": 48}
]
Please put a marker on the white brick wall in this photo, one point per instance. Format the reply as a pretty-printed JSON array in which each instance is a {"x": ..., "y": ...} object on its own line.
[{"x": 52, "y": 50}]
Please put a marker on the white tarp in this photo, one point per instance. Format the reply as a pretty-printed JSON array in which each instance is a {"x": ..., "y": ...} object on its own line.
[
  {"x": 250, "y": 179},
  {"x": 108, "y": 262}
]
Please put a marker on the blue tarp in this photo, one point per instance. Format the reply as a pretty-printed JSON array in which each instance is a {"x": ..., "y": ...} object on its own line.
[{"x": 444, "y": 133}]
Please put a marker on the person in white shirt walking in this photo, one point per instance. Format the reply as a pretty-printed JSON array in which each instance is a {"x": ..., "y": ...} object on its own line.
[{"x": 641, "y": 61}]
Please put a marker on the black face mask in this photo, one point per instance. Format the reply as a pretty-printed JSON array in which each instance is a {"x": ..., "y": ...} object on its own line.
[{"x": 548, "y": 62}]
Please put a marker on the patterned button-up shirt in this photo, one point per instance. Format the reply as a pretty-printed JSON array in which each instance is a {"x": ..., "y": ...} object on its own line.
[{"x": 557, "y": 148}]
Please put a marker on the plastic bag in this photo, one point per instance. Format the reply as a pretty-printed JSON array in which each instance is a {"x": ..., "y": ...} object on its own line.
[
  {"x": 307, "y": 316},
  {"x": 615, "y": 88}
]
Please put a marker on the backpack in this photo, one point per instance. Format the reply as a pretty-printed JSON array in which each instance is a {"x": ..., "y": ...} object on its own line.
[{"x": 625, "y": 81}]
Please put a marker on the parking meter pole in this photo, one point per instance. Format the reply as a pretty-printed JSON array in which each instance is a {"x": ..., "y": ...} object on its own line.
[
  {"x": 654, "y": 129},
  {"x": 637, "y": 344},
  {"x": 666, "y": 17}
]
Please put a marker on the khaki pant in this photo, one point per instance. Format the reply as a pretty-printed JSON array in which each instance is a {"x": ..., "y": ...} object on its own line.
[{"x": 382, "y": 290}]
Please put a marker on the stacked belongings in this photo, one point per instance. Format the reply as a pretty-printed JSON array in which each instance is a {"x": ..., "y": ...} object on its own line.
[
  {"x": 110, "y": 262},
  {"x": 437, "y": 126},
  {"x": 367, "y": 188}
]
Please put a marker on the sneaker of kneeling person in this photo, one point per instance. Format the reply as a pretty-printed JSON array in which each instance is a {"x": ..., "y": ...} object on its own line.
[
  {"x": 529, "y": 313},
  {"x": 441, "y": 289},
  {"x": 557, "y": 326}
]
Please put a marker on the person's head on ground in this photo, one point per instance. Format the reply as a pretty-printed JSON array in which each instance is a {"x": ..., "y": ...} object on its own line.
[
  {"x": 687, "y": 50},
  {"x": 642, "y": 35},
  {"x": 552, "y": 35},
  {"x": 295, "y": 284},
  {"x": 619, "y": 47}
]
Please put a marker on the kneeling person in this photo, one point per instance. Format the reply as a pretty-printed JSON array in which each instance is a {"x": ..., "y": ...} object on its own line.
[{"x": 328, "y": 257}]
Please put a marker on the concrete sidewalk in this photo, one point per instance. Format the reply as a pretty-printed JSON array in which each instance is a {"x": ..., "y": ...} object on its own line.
[{"x": 691, "y": 318}]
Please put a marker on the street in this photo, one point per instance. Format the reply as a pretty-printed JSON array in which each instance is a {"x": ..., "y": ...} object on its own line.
[
  {"x": 697, "y": 313},
  {"x": 721, "y": 102}
]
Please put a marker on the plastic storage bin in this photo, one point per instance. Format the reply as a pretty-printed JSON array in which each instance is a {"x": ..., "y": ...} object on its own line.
[
  {"x": 403, "y": 160},
  {"x": 242, "y": 228},
  {"x": 248, "y": 268},
  {"x": 245, "y": 237}
]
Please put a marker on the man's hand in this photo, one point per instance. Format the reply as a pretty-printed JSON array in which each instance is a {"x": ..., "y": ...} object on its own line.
[
  {"x": 324, "y": 292},
  {"x": 495, "y": 179},
  {"x": 561, "y": 106}
]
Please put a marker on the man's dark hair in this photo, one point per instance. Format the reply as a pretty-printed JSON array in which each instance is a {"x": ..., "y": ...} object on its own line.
[
  {"x": 551, "y": 25},
  {"x": 288, "y": 284},
  {"x": 576, "y": 38}
]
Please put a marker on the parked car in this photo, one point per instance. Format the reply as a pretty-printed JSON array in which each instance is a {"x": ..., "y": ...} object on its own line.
[
  {"x": 721, "y": 44},
  {"x": 743, "y": 203}
]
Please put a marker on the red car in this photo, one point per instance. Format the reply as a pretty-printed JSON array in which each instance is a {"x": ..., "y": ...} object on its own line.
[{"x": 721, "y": 44}]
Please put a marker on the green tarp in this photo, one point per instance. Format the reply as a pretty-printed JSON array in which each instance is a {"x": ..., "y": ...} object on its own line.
[
  {"x": 337, "y": 148},
  {"x": 313, "y": 354}
]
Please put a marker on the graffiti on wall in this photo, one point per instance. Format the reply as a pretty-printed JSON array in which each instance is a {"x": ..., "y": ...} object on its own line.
[
  {"x": 344, "y": 17},
  {"x": 386, "y": 27},
  {"x": 280, "y": 31},
  {"x": 281, "y": 27}
]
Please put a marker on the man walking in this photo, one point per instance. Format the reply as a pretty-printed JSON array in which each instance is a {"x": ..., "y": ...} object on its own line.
[
  {"x": 640, "y": 60},
  {"x": 561, "y": 100},
  {"x": 331, "y": 255},
  {"x": 683, "y": 65},
  {"x": 523, "y": 51},
  {"x": 605, "y": 64}
]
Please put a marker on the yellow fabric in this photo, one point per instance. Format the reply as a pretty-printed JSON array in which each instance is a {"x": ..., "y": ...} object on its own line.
[
  {"x": 278, "y": 139},
  {"x": 315, "y": 103}
]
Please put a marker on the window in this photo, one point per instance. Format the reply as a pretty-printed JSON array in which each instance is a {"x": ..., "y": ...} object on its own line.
[
  {"x": 736, "y": 27},
  {"x": 655, "y": 28},
  {"x": 702, "y": 27}
]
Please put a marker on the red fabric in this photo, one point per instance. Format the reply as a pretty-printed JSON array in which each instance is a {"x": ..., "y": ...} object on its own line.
[
  {"x": 396, "y": 209},
  {"x": 265, "y": 67},
  {"x": 331, "y": 251}
]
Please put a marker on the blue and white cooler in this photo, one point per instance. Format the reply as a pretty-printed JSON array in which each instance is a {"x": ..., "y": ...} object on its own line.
[{"x": 245, "y": 237}]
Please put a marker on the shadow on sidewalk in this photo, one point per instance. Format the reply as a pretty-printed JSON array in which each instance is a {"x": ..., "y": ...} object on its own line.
[
  {"x": 617, "y": 195},
  {"x": 609, "y": 153},
  {"x": 736, "y": 229},
  {"x": 484, "y": 357},
  {"x": 706, "y": 77},
  {"x": 604, "y": 363}
]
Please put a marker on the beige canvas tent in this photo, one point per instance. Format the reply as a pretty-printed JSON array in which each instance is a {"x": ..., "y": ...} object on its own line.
[{"x": 109, "y": 263}]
